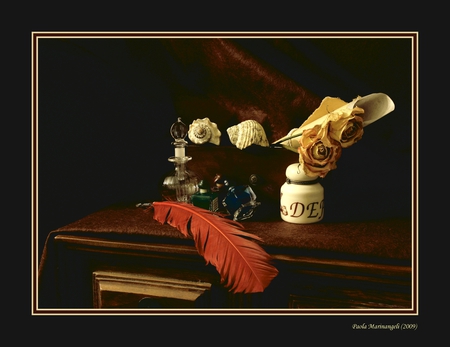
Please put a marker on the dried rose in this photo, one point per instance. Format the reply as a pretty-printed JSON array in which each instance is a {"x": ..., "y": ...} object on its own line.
[
  {"x": 318, "y": 152},
  {"x": 347, "y": 128}
]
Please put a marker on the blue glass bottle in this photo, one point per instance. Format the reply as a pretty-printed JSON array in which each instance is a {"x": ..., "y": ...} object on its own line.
[{"x": 240, "y": 202}]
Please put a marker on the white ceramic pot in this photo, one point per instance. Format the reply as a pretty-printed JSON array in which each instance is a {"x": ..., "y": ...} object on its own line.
[{"x": 301, "y": 197}]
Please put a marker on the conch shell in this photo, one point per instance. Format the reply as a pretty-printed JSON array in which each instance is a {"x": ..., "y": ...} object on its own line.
[
  {"x": 247, "y": 133},
  {"x": 202, "y": 131}
]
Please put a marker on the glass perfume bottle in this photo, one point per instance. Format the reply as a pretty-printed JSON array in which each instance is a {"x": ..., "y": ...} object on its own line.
[
  {"x": 182, "y": 183},
  {"x": 205, "y": 197}
]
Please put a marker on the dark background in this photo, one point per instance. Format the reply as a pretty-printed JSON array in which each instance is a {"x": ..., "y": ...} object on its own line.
[{"x": 105, "y": 107}]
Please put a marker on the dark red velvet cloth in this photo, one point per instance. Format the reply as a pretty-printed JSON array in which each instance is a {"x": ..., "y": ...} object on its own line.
[{"x": 390, "y": 239}]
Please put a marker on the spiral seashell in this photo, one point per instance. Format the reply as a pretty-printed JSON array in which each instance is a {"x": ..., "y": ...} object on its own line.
[
  {"x": 202, "y": 131},
  {"x": 247, "y": 133}
]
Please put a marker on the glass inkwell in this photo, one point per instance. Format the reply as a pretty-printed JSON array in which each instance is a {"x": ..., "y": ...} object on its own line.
[
  {"x": 205, "y": 197},
  {"x": 240, "y": 201},
  {"x": 182, "y": 183}
]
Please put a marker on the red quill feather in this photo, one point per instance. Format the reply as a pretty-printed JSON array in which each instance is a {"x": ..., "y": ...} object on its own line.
[{"x": 243, "y": 265}]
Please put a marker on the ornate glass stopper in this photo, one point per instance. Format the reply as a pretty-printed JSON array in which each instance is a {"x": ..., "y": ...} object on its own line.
[{"x": 179, "y": 131}]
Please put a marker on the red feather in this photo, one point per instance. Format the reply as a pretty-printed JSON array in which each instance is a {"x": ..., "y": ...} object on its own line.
[{"x": 243, "y": 265}]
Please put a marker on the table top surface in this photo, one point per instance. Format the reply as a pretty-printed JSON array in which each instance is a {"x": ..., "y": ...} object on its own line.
[{"x": 389, "y": 239}]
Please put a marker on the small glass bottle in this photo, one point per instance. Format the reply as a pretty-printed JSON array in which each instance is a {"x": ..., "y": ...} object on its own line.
[
  {"x": 205, "y": 198},
  {"x": 301, "y": 197},
  {"x": 182, "y": 183},
  {"x": 240, "y": 202},
  {"x": 220, "y": 189}
]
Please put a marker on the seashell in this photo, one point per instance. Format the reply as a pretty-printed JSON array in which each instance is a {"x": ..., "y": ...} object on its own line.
[
  {"x": 203, "y": 131},
  {"x": 247, "y": 133}
]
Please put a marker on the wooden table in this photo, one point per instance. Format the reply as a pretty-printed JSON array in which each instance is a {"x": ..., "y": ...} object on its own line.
[{"x": 121, "y": 258}]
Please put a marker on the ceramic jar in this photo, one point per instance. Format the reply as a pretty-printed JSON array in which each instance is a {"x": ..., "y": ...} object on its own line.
[{"x": 301, "y": 197}]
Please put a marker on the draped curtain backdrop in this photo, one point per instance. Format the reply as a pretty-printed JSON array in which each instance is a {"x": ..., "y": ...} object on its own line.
[{"x": 105, "y": 107}]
